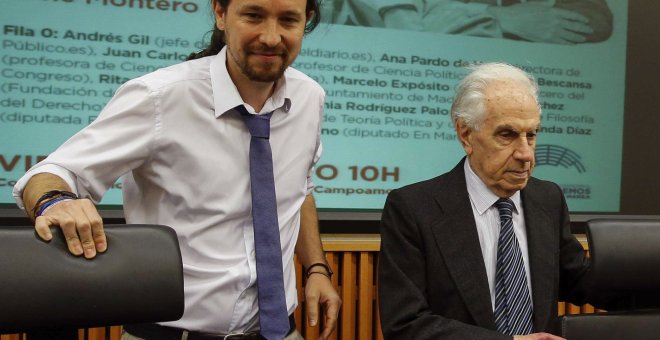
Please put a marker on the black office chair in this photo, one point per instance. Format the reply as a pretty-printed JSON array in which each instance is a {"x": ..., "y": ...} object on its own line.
[
  {"x": 625, "y": 257},
  {"x": 43, "y": 288}
]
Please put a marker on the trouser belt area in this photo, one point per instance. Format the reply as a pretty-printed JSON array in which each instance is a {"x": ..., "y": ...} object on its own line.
[{"x": 152, "y": 331}]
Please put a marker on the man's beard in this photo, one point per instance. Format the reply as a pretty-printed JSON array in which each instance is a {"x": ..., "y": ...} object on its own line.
[{"x": 264, "y": 72}]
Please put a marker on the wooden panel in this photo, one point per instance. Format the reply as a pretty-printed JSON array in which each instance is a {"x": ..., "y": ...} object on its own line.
[
  {"x": 348, "y": 295},
  {"x": 96, "y": 333},
  {"x": 10, "y": 337},
  {"x": 561, "y": 308},
  {"x": 115, "y": 333},
  {"x": 572, "y": 309},
  {"x": 351, "y": 242},
  {"x": 378, "y": 330},
  {"x": 587, "y": 309},
  {"x": 366, "y": 296}
]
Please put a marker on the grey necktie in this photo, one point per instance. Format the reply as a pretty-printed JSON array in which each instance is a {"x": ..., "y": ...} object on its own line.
[
  {"x": 513, "y": 304},
  {"x": 273, "y": 316}
]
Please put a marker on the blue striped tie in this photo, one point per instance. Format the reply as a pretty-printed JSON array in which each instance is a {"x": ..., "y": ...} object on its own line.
[
  {"x": 513, "y": 304},
  {"x": 273, "y": 316}
]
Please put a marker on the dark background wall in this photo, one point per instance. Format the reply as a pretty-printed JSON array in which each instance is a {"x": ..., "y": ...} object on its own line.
[{"x": 641, "y": 160}]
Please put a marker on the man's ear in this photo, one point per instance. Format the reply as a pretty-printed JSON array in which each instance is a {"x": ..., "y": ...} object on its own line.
[
  {"x": 464, "y": 133},
  {"x": 219, "y": 13}
]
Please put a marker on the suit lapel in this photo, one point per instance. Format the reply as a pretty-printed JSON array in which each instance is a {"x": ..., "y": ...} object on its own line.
[
  {"x": 540, "y": 244},
  {"x": 456, "y": 236}
]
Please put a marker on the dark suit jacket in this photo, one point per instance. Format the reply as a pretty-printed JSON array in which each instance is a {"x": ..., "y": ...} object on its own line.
[{"x": 432, "y": 277}]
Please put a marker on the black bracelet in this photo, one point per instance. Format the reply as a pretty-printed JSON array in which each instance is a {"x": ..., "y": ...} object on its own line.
[
  {"x": 322, "y": 273},
  {"x": 308, "y": 272},
  {"x": 51, "y": 194}
]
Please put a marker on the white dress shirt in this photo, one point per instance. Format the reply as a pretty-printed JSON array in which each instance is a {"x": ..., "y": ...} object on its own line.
[
  {"x": 487, "y": 218},
  {"x": 183, "y": 153}
]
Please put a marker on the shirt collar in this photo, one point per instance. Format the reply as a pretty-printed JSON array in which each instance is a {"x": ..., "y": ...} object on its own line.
[
  {"x": 226, "y": 96},
  {"x": 481, "y": 196}
]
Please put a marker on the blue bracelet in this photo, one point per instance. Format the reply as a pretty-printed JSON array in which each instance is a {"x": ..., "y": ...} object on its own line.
[
  {"x": 36, "y": 210},
  {"x": 50, "y": 203}
]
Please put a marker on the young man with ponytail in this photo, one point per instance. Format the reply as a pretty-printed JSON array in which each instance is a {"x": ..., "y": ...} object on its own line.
[{"x": 179, "y": 137}]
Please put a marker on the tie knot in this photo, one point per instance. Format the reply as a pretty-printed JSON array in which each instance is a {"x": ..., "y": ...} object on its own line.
[
  {"x": 259, "y": 125},
  {"x": 505, "y": 206}
]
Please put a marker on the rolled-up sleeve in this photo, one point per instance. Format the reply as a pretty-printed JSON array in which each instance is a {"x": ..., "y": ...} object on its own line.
[{"x": 119, "y": 140}]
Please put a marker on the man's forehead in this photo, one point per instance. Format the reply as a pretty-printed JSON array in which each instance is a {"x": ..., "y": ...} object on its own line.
[
  {"x": 512, "y": 92},
  {"x": 512, "y": 105},
  {"x": 289, "y": 5},
  {"x": 508, "y": 95},
  {"x": 518, "y": 125}
]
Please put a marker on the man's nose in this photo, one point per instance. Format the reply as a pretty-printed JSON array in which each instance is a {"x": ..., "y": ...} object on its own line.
[
  {"x": 270, "y": 35},
  {"x": 524, "y": 151}
]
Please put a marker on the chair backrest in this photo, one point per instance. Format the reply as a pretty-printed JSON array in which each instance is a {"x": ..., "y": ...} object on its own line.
[
  {"x": 612, "y": 326},
  {"x": 625, "y": 271},
  {"x": 625, "y": 260},
  {"x": 42, "y": 286}
]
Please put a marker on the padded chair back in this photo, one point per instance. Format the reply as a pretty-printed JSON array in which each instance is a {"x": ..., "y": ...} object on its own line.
[
  {"x": 625, "y": 259},
  {"x": 42, "y": 286},
  {"x": 625, "y": 269},
  {"x": 612, "y": 326}
]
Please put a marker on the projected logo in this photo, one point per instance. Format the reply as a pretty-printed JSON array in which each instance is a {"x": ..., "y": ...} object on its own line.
[
  {"x": 576, "y": 191},
  {"x": 555, "y": 155}
]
